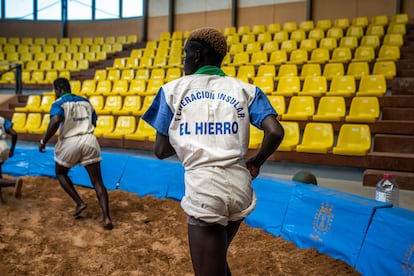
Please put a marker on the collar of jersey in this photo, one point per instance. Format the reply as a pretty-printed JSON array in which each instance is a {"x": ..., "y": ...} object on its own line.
[
  {"x": 210, "y": 70},
  {"x": 66, "y": 94}
]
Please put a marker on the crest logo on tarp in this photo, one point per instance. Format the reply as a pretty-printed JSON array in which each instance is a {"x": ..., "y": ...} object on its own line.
[
  {"x": 407, "y": 263},
  {"x": 322, "y": 221}
]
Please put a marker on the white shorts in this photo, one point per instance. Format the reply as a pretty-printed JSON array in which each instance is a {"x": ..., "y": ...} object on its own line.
[
  {"x": 4, "y": 151},
  {"x": 218, "y": 194},
  {"x": 82, "y": 150}
]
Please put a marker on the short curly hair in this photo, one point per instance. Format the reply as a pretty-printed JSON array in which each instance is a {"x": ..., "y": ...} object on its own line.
[{"x": 210, "y": 37}]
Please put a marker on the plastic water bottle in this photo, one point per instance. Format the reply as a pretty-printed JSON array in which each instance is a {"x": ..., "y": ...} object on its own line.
[{"x": 387, "y": 190}]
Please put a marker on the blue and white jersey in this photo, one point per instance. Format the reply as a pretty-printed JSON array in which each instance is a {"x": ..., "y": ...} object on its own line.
[
  {"x": 5, "y": 125},
  {"x": 207, "y": 118},
  {"x": 79, "y": 117}
]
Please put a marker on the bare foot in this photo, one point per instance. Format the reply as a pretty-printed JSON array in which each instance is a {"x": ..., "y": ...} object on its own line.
[
  {"x": 18, "y": 188},
  {"x": 79, "y": 209},
  {"x": 108, "y": 225}
]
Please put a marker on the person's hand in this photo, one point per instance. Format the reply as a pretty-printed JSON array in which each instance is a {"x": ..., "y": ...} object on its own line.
[
  {"x": 42, "y": 146},
  {"x": 11, "y": 153},
  {"x": 253, "y": 168}
]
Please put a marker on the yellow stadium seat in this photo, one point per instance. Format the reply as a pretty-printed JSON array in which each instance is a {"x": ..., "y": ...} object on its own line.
[
  {"x": 32, "y": 104},
  {"x": 245, "y": 29},
  {"x": 331, "y": 109},
  {"x": 131, "y": 39},
  {"x": 246, "y": 71},
  {"x": 45, "y": 65},
  {"x": 371, "y": 41},
  {"x": 144, "y": 132},
  {"x": 358, "y": 69},
  {"x": 247, "y": 38},
  {"x": 300, "y": 108},
  {"x": 59, "y": 65},
  {"x": 349, "y": 41},
  {"x": 112, "y": 104},
  {"x": 88, "y": 87},
  {"x": 400, "y": 18},
  {"x": 360, "y": 21},
  {"x": 310, "y": 69},
  {"x": 396, "y": 28},
  {"x": 24, "y": 57},
  {"x": 233, "y": 39},
  {"x": 132, "y": 62},
  {"x": 120, "y": 87},
  {"x": 317, "y": 138},
  {"x": 315, "y": 86},
  {"x": 37, "y": 77},
  {"x": 239, "y": 59},
  {"x": 97, "y": 102},
  {"x": 103, "y": 87},
  {"x": 363, "y": 110},
  {"x": 229, "y": 31},
  {"x": 393, "y": 40},
  {"x": 306, "y": 25},
  {"x": 381, "y": 20},
  {"x": 173, "y": 73},
  {"x": 137, "y": 87},
  {"x": 119, "y": 63},
  {"x": 157, "y": 73},
  {"x": 372, "y": 85},
  {"x": 46, "y": 103},
  {"x": 388, "y": 52},
  {"x": 364, "y": 53},
  {"x": 145, "y": 104},
  {"x": 27, "y": 40},
  {"x": 113, "y": 75},
  {"x": 319, "y": 56},
  {"x": 287, "y": 70},
  {"x": 278, "y": 57},
  {"x": 258, "y": 58},
  {"x": 33, "y": 121},
  {"x": 159, "y": 62},
  {"x": 353, "y": 140},
  {"x": 309, "y": 44},
  {"x": 236, "y": 48},
  {"x": 8, "y": 77},
  {"x": 341, "y": 54},
  {"x": 142, "y": 74},
  {"x": 335, "y": 32},
  {"x": 132, "y": 103},
  {"x": 177, "y": 35},
  {"x": 377, "y": 30},
  {"x": 356, "y": 31},
  {"x": 273, "y": 27},
  {"x": 289, "y": 45},
  {"x": 127, "y": 74},
  {"x": 324, "y": 24},
  {"x": 316, "y": 34},
  {"x": 290, "y": 26},
  {"x": 100, "y": 74},
  {"x": 43, "y": 125},
  {"x": 341, "y": 22},
  {"x": 266, "y": 84},
  {"x": 253, "y": 47},
  {"x": 386, "y": 68},
  {"x": 125, "y": 124},
  {"x": 333, "y": 69},
  {"x": 264, "y": 37},
  {"x": 71, "y": 65},
  {"x": 268, "y": 70},
  {"x": 39, "y": 40},
  {"x": 175, "y": 61},
  {"x": 256, "y": 137},
  {"x": 343, "y": 86},
  {"x": 281, "y": 36},
  {"x": 291, "y": 137},
  {"x": 298, "y": 35},
  {"x": 19, "y": 121},
  {"x": 64, "y": 74},
  {"x": 328, "y": 43},
  {"x": 145, "y": 62},
  {"x": 298, "y": 56},
  {"x": 153, "y": 86},
  {"x": 75, "y": 86},
  {"x": 258, "y": 29},
  {"x": 104, "y": 124},
  {"x": 278, "y": 103}
]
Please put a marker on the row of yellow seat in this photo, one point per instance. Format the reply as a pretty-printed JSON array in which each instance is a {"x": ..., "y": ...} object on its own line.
[
  {"x": 324, "y": 24},
  {"x": 35, "y": 77},
  {"x": 356, "y": 69},
  {"x": 319, "y": 137}
]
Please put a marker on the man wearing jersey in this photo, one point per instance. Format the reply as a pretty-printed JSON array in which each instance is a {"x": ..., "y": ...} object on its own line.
[
  {"x": 204, "y": 118},
  {"x": 6, "y": 128},
  {"x": 75, "y": 119}
]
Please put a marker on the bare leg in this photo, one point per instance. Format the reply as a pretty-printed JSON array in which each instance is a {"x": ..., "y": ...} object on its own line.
[
  {"x": 94, "y": 171},
  {"x": 67, "y": 185}
]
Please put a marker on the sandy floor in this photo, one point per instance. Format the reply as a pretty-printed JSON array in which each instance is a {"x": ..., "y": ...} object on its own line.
[{"x": 38, "y": 236}]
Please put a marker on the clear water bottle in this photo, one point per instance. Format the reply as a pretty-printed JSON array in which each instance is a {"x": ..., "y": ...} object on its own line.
[{"x": 387, "y": 190}]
